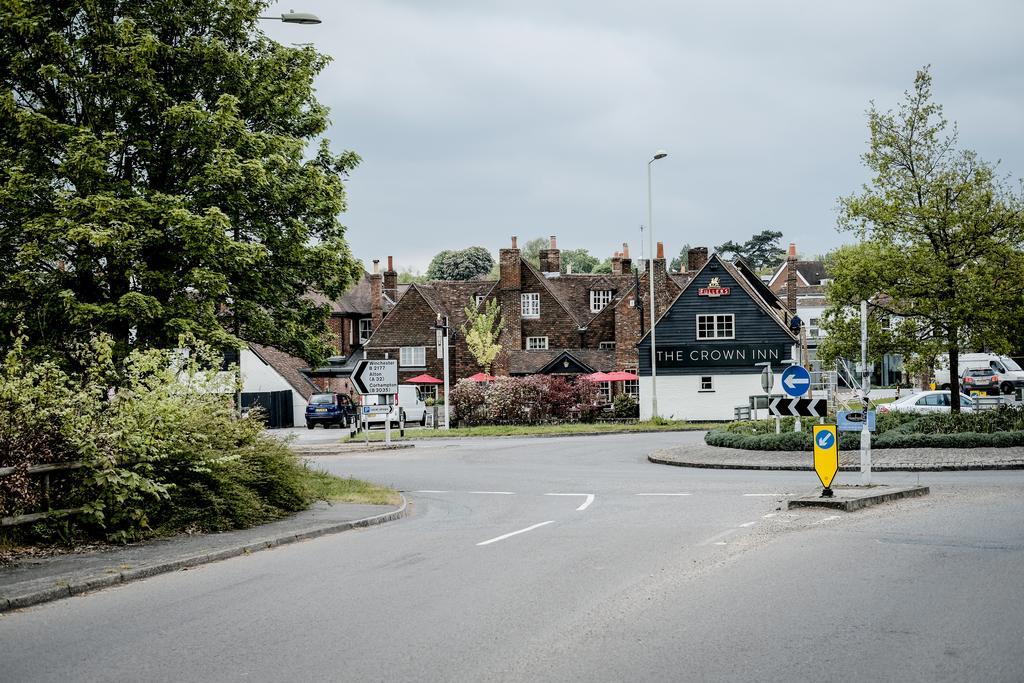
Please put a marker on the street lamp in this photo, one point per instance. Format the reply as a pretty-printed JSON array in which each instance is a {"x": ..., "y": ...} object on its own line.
[
  {"x": 660, "y": 154},
  {"x": 293, "y": 17}
]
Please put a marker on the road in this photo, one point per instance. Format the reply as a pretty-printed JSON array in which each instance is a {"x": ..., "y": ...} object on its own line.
[{"x": 574, "y": 558}]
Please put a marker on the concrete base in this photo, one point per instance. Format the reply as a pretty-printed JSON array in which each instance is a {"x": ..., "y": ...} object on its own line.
[{"x": 850, "y": 498}]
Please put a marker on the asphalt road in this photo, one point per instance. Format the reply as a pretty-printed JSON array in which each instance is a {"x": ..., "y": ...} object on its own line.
[{"x": 574, "y": 558}]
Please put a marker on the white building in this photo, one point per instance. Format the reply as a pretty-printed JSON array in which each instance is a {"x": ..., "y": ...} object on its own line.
[{"x": 273, "y": 379}]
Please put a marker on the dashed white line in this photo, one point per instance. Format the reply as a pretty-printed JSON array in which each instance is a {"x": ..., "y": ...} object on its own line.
[
  {"x": 664, "y": 494},
  {"x": 515, "y": 533},
  {"x": 828, "y": 519},
  {"x": 720, "y": 543},
  {"x": 586, "y": 503},
  {"x": 718, "y": 537},
  {"x": 496, "y": 493},
  {"x": 746, "y": 524}
]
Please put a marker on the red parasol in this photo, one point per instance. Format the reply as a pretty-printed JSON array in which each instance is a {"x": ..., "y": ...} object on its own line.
[
  {"x": 424, "y": 379},
  {"x": 482, "y": 377},
  {"x": 598, "y": 377},
  {"x": 621, "y": 376}
]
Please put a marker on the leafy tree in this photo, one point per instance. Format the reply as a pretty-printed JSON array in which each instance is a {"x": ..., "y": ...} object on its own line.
[
  {"x": 679, "y": 262},
  {"x": 155, "y": 178},
  {"x": 604, "y": 267},
  {"x": 531, "y": 251},
  {"x": 463, "y": 264},
  {"x": 482, "y": 328},
  {"x": 409, "y": 276},
  {"x": 941, "y": 235},
  {"x": 730, "y": 249},
  {"x": 581, "y": 260},
  {"x": 762, "y": 251}
]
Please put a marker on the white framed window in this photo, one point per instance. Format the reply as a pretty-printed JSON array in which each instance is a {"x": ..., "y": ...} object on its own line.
[
  {"x": 413, "y": 356},
  {"x": 716, "y": 326},
  {"x": 707, "y": 383},
  {"x": 536, "y": 343},
  {"x": 480, "y": 300},
  {"x": 365, "y": 329},
  {"x": 632, "y": 387},
  {"x": 599, "y": 298},
  {"x": 531, "y": 304},
  {"x": 604, "y": 392},
  {"x": 606, "y": 345}
]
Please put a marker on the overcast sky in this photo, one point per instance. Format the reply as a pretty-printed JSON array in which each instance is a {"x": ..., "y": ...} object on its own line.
[{"x": 480, "y": 120}]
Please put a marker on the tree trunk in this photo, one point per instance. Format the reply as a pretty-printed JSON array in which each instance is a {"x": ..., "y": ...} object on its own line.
[{"x": 954, "y": 370}]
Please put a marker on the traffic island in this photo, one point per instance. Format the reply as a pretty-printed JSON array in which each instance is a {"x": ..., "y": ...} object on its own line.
[{"x": 850, "y": 498}]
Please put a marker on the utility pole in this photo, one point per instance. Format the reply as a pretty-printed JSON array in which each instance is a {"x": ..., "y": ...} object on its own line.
[
  {"x": 442, "y": 329},
  {"x": 865, "y": 386}
]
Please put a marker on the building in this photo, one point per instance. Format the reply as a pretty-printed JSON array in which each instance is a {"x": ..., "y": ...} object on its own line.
[
  {"x": 711, "y": 343},
  {"x": 554, "y": 322},
  {"x": 275, "y": 381}
]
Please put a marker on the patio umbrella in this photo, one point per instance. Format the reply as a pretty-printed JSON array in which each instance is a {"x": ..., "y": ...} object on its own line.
[
  {"x": 424, "y": 379},
  {"x": 621, "y": 376},
  {"x": 481, "y": 377},
  {"x": 598, "y": 377}
]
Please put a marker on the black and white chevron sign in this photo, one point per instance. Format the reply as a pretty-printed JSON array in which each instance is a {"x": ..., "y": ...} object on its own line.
[{"x": 798, "y": 407}]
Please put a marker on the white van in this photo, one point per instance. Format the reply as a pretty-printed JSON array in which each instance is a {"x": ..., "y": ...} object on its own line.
[
  {"x": 409, "y": 409},
  {"x": 1011, "y": 376}
]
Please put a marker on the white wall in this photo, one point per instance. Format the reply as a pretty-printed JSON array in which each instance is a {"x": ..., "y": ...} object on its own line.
[
  {"x": 679, "y": 398},
  {"x": 258, "y": 376}
]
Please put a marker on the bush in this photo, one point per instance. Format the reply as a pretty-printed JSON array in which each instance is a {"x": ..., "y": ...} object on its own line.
[
  {"x": 468, "y": 399},
  {"x": 164, "y": 453},
  {"x": 625, "y": 406}
]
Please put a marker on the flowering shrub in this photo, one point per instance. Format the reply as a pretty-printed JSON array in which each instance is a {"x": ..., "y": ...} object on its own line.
[
  {"x": 507, "y": 400},
  {"x": 525, "y": 400},
  {"x": 467, "y": 402}
]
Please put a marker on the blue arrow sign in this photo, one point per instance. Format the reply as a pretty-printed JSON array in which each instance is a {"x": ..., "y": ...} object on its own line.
[
  {"x": 796, "y": 380},
  {"x": 825, "y": 440}
]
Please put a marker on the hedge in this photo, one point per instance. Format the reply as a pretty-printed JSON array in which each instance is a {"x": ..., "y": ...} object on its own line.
[{"x": 895, "y": 438}]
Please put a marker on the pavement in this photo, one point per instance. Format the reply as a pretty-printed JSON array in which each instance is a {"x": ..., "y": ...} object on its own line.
[
  {"x": 691, "y": 451},
  {"x": 34, "y": 580},
  {"x": 571, "y": 559}
]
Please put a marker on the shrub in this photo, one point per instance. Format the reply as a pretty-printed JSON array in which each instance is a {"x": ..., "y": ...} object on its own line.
[
  {"x": 468, "y": 402},
  {"x": 506, "y": 400},
  {"x": 624, "y": 406}
]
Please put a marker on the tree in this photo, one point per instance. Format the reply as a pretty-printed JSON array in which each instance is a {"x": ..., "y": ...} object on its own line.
[
  {"x": 581, "y": 260},
  {"x": 464, "y": 264},
  {"x": 482, "y": 328},
  {"x": 408, "y": 276},
  {"x": 941, "y": 235},
  {"x": 532, "y": 249},
  {"x": 761, "y": 251},
  {"x": 679, "y": 262},
  {"x": 155, "y": 179}
]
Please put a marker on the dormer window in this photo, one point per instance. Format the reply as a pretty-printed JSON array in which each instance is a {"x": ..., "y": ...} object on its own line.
[{"x": 599, "y": 298}]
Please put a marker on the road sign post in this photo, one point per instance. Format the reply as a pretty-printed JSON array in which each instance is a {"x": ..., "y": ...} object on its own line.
[
  {"x": 865, "y": 385},
  {"x": 795, "y": 382},
  {"x": 378, "y": 377},
  {"x": 826, "y": 456}
]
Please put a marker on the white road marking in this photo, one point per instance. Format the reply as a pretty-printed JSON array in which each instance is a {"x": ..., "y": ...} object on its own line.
[
  {"x": 828, "y": 519},
  {"x": 769, "y": 515},
  {"x": 664, "y": 494},
  {"x": 429, "y": 491},
  {"x": 720, "y": 543},
  {"x": 747, "y": 524},
  {"x": 496, "y": 493},
  {"x": 718, "y": 537},
  {"x": 773, "y": 495},
  {"x": 586, "y": 503},
  {"x": 515, "y": 533}
]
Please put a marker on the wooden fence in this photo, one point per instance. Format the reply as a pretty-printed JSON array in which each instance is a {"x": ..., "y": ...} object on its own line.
[{"x": 45, "y": 471}]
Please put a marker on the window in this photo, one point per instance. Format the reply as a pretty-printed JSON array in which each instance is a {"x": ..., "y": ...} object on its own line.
[
  {"x": 536, "y": 343},
  {"x": 413, "y": 356},
  {"x": 599, "y": 298},
  {"x": 365, "y": 329},
  {"x": 606, "y": 345},
  {"x": 480, "y": 299},
  {"x": 720, "y": 326},
  {"x": 813, "y": 330},
  {"x": 531, "y": 305},
  {"x": 604, "y": 392},
  {"x": 631, "y": 387},
  {"x": 707, "y": 383}
]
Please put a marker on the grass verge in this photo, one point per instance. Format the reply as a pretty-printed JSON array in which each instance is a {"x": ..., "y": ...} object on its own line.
[
  {"x": 324, "y": 486},
  {"x": 541, "y": 430}
]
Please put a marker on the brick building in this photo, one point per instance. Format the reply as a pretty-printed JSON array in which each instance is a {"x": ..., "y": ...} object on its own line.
[{"x": 553, "y": 322}]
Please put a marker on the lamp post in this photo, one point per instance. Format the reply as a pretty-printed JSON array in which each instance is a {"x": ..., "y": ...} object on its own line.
[
  {"x": 295, "y": 18},
  {"x": 660, "y": 154}
]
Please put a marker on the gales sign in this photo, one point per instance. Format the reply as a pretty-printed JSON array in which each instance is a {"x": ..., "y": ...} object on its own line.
[{"x": 714, "y": 289}]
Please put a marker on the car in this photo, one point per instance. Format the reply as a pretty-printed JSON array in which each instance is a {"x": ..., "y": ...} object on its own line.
[
  {"x": 1011, "y": 376},
  {"x": 328, "y": 409},
  {"x": 409, "y": 408},
  {"x": 980, "y": 379},
  {"x": 926, "y": 402}
]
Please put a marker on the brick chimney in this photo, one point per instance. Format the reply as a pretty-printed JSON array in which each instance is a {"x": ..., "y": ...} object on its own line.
[
  {"x": 376, "y": 289},
  {"x": 617, "y": 263},
  {"x": 659, "y": 260},
  {"x": 627, "y": 263},
  {"x": 391, "y": 280},
  {"x": 509, "y": 283},
  {"x": 696, "y": 258},
  {"x": 551, "y": 258},
  {"x": 791, "y": 279}
]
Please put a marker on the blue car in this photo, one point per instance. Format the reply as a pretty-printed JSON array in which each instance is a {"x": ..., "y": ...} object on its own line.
[{"x": 328, "y": 409}]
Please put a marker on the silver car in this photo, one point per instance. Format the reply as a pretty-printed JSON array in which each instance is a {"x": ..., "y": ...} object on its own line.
[{"x": 926, "y": 402}]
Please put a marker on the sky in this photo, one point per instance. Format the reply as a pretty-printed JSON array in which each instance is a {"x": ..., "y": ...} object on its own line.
[{"x": 479, "y": 120}]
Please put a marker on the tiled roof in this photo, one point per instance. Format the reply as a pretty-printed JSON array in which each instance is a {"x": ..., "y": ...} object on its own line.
[
  {"x": 288, "y": 366},
  {"x": 530, "y": 362},
  {"x": 573, "y": 291}
]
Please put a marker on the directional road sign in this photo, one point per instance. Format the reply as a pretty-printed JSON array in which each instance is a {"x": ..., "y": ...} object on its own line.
[
  {"x": 826, "y": 453},
  {"x": 798, "y": 407},
  {"x": 376, "y": 377},
  {"x": 853, "y": 420},
  {"x": 796, "y": 380},
  {"x": 377, "y": 410}
]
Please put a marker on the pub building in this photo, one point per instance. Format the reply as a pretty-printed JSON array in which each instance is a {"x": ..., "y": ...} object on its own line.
[{"x": 712, "y": 344}]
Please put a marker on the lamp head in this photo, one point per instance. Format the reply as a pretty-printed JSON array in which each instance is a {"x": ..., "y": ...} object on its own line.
[
  {"x": 294, "y": 17},
  {"x": 660, "y": 154}
]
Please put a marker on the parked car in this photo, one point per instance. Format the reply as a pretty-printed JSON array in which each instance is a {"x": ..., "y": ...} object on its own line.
[
  {"x": 1011, "y": 376},
  {"x": 980, "y": 379},
  {"x": 328, "y": 409},
  {"x": 926, "y": 402},
  {"x": 409, "y": 408}
]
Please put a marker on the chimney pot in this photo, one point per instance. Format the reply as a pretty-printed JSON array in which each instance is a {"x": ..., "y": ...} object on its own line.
[
  {"x": 391, "y": 264},
  {"x": 625, "y": 250},
  {"x": 376, "y": 266},
  {"x": 514, "y": 245},
  {"x": 792, "y": 250},
  {"x": 661, "y": 250},
  {"x": 553, "y": 242}
]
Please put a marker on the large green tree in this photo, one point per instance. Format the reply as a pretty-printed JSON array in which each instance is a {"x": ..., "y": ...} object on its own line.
[
  {"x": 762, "y": 251},
  {"x": 156, "y": 178},
  {"x": 462, "y": 264},
  {"x": 941, "y": 236}
]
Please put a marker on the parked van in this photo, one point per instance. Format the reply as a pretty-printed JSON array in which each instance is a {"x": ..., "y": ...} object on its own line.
[
  {"x": 1011, "y": 376},
  {"x": 409, "y": 409}
]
